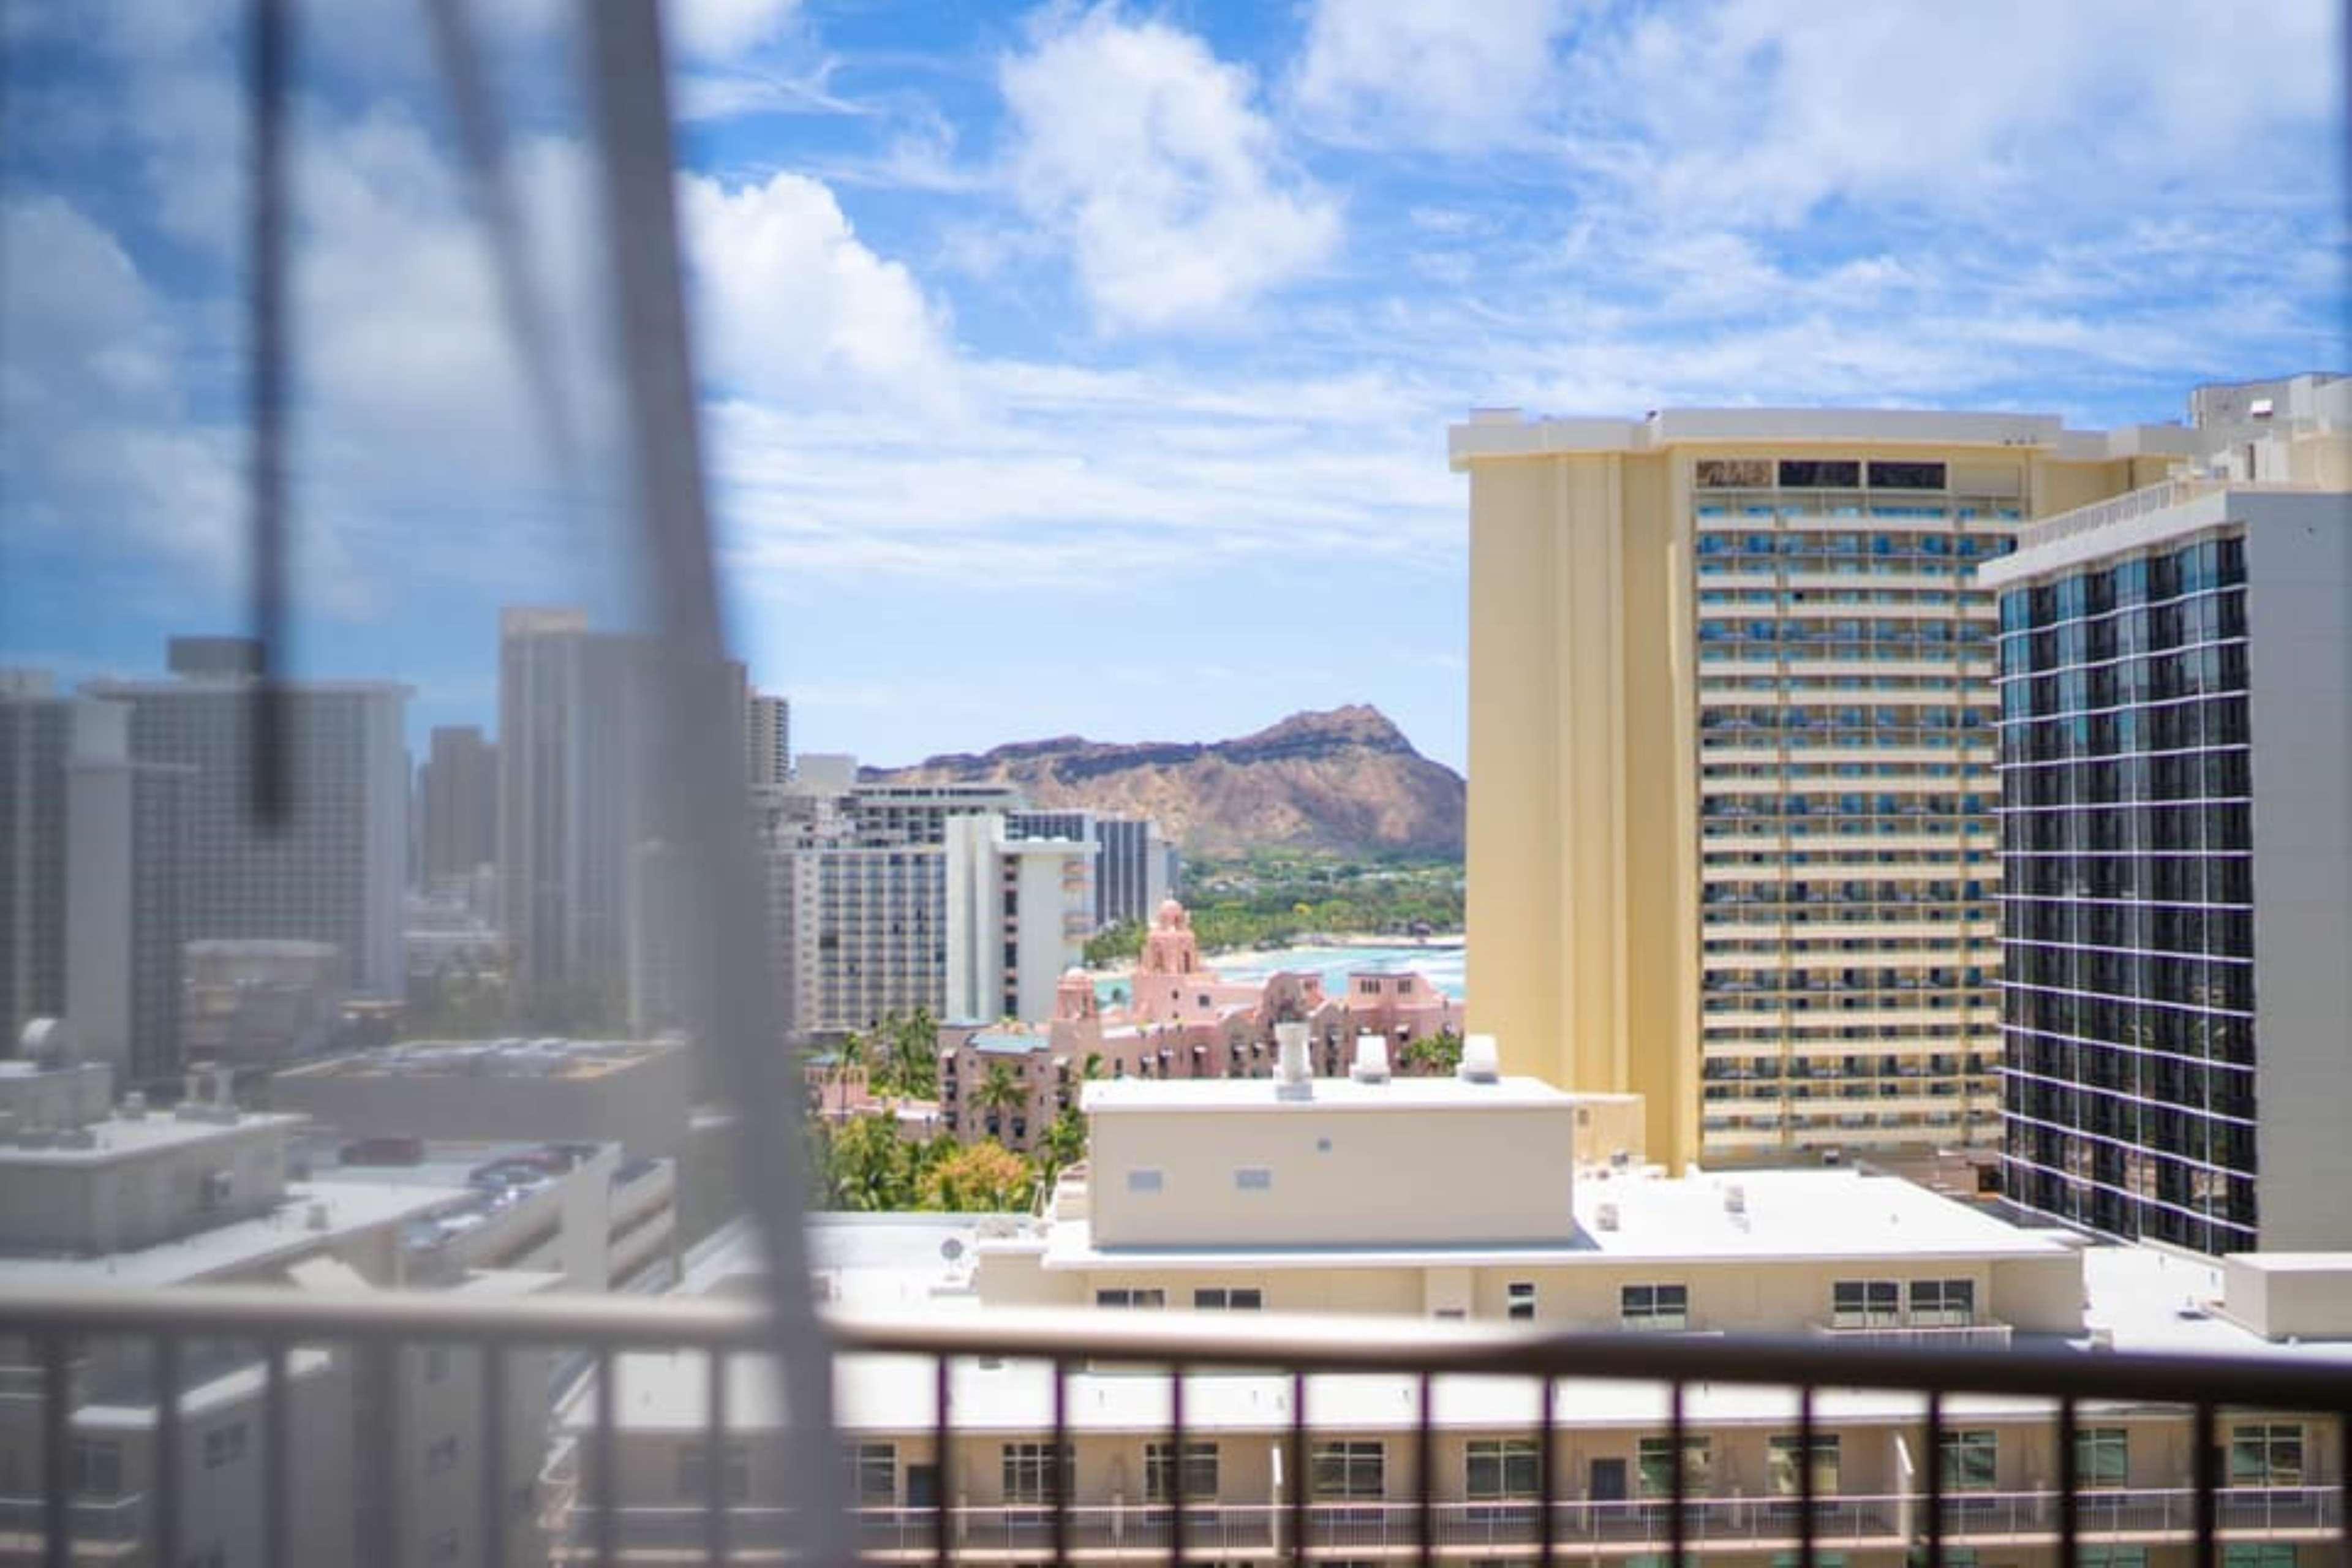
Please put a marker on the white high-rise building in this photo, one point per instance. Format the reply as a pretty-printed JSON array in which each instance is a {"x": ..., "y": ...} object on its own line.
[
  {"x": 334, "y": 870},
  {"x": 1019, "y": 910},
  {"x": 569, "y": 749},
  {"x": 768, "y": 737}
]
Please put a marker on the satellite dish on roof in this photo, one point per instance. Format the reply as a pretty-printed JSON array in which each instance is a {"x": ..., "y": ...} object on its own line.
[{"x": 952, "y": 1249}]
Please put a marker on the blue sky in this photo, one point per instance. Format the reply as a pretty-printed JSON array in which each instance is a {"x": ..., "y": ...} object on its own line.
[{"x": 1087, "y": 368}]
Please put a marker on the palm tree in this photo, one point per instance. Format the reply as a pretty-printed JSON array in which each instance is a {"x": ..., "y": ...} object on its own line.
[
  {"x": 998, "y": 1093},
  {"x": 915, "y": 1054},
  {"x": 855, "y": 1052}
]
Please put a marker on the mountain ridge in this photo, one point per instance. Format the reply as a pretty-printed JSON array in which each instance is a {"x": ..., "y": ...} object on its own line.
[{"x": 1342, "y": 780}]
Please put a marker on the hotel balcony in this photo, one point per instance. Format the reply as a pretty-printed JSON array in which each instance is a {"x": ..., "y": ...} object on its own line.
[{"x": 1403, "y": 1513}]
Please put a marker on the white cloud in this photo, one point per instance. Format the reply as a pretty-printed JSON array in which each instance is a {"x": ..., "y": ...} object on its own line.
[
  {"x": 715, "y": 29},
  {"x": 789, "y": 301},
  {"x": 1762, "y": 109},
  {"x": 1459, "y": 78},
  {"x": 1149, "y": 156}
]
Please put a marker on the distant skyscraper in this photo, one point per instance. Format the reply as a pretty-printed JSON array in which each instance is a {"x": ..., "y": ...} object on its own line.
[
  {"x": 1018, "y": 910},
  {"x": 334, "y": 870},
  {"x": 36, "y": 731},
  {"x": 2176, "y": 763},
  {"x": 570, "y": 748},
  {"x": 768, "y": 737},
  {"x": 128, "y": 852},
  {"x": 1731, "y": 830},
  {"x": 459, "y": 801}
]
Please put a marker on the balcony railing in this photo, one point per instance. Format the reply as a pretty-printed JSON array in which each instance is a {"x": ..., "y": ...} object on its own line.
[
  {"x": 1225, "y": 1530},
  {"x": 594, "y": 1527}
]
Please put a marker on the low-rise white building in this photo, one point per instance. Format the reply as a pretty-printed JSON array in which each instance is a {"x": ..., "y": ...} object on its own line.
[{"x": 1483, "y": 1198}]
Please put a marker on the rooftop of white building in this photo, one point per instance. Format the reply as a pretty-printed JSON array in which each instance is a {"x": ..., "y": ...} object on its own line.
[
  {"x": 2138, "y": 1298},
  {"x": 119, "y": 1138},
  {"x": 1117, "y": 1096},
  {"x": 294, "y": 1226},
  {"x": 545, "y": 1057},
  {"x": 1511, "y": 432}
]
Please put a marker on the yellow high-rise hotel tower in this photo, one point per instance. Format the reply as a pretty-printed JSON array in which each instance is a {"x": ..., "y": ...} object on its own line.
[{"x": 1732, "y": 840}]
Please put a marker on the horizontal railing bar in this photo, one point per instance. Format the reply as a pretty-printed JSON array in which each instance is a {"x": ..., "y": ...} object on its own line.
[{"x": 1270, "y": 1342}]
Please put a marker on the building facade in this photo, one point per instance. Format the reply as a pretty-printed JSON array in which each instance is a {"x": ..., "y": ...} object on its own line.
[
  {"x": 335, "y": 870},
  {"x": 1223, "y": 1198},
  {"x": 1019, "y": 910},
  {"x": 2176, "y": 767},
  {"x": 768, "y": 737},
  {"x": 571, "y": 743},
  {"x": 457, "y": 804},
  {"x": 1731, "y": 832},
  {"x": 35, "y": 730}
]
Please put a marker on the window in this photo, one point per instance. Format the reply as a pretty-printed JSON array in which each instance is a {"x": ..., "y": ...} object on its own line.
[
  {"x": 2258, "y": 1554},
  {"x": 1520, "y": 1298},
  {"x": 1254, "y": 1179},
  {"x": 874, "y": 1474},
  {"x": 224, "y": 1445},
  {"x": 694, "y": 1479},
  {"x": 1728, "y": 473},
  {"x": 1945, "y": 1303},
  {"x": 2267, "y": 1454},
  {"x": 1864, "y": 1303},
  {"x": 1653, "y": 1460},
  {"x": 97, "y": 1467},
  {"x": 1124, "y": 1297},
  {"x": 1028, "y": 1472},
  {"x": 1800, "y": 473},
  {"x": 1349, "y": 1470},
  {"x": 442, "y": 1547},
  {"x": 2109, "y": 1556},
  {"x": 441, "y": 1455},
  {"x": 1969, "y": 1461},
  {"x": 1224, "y": 1299},
  {"x": 2101, "y": 1457},
  {"x": 1143, "y": 1180},
  {"x": 1781, "y": 1466},
  {"x": 1498, "y": 1469},
  {"x": 437, "y": 1362},
  {"x": 1906, "y": 475},
  {"x": 1200, "y": 1475},
  {"x": 1665, "y": 1307}
]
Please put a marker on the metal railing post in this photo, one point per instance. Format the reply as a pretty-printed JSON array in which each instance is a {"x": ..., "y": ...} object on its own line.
[
  {"x": 494, "y": 1455},
  {"x": 57, "y": 1450},
  {"x": 167, "y": 1448},
  {"x": 714, "y": 1441}
]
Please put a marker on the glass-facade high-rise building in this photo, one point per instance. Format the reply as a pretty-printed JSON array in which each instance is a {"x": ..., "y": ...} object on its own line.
[{"x": 2176, "y": 763}]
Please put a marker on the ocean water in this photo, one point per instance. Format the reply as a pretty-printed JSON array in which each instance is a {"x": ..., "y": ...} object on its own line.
[{"x": 1442, "y": 962}]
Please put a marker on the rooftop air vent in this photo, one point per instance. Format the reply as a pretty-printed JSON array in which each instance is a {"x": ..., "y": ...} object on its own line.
[
  {"x": 1605, "y": 1216},
  {"x": 1294, "y": 1076},
  {"x": 1372, "y": 1060},
  {"x": 1481, "y": 1060},
  {"x": 1735, "y": 1199}
]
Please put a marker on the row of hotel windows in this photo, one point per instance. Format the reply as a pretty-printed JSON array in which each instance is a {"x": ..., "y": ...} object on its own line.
[
  {"x": 2163, "y": 930},
  {"x": 1850, "y": 890},
  {"x": 2225, "y": 774},
  {"x": 1716, "y": 1070},
  {"x": 1851, "y": 803},
  {"x": 2150, "y": 828},
  {"x": 1892, "y": 598},
  {"x": 2192, "y": 569},
  {"x": 1845, "y": 639},
  {"x": 2162, "y": 686},
  {"x": 2123, "y": 1095},
  {"x": 1498, "y": 1469},
  {"x": 2212, "y": 1223},
  {"x": 2128, "y": 977},
  {"x": 1855, "y": 1303},
  {"x": 2179, "y": 1031},
  {"x": 1796, "y": 547},
  {"x": 1800, "y": 980},
  {"x": 2191, "y": 628}
]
